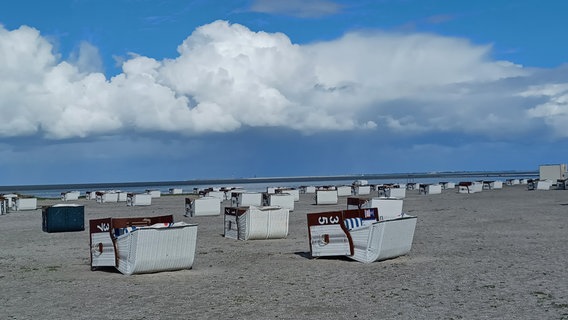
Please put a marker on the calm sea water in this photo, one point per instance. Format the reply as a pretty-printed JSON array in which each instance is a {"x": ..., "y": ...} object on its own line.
[{"x": 54, "y": 191}]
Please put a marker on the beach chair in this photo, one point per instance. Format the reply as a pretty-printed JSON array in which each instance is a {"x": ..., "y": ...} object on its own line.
[
  {"x": 70, "y": 195},
  {"x": 256, "y": 223},
  {"x": 138, "y": 199},
  {"x": 395, "y": 192},
  {"x": 343, "y": 191},
  {"x": 283, "y": 200},
  {"x": 25, "y": 203},
  {"x": 326, "y": 197},
  {"x": 245, "y": 199},
  {"x": 358, "y": 234},
  {"x": 142, "y": 244},
  {"x": 294, "y": 192},
  {"x": 430, "y": 189},
  {"x": 388, "y": 208},
  {"x": 204, "y": 206}
]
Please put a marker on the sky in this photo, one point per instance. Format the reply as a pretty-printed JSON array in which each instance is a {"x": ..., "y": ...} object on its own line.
[{"x": 147, "y": 90}]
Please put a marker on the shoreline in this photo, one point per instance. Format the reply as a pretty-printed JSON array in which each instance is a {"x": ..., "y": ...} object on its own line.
[{"x": 423, "y": 175}]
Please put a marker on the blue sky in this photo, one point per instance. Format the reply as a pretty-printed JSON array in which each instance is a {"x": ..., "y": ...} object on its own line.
[{"x": 148, "y": 90}]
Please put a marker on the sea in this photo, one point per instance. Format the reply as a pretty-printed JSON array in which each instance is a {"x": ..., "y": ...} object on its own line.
[{"x": 54, "y": 191}]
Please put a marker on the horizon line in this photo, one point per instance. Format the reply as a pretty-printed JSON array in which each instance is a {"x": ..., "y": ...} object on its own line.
[{"x": 414, "y": 175}]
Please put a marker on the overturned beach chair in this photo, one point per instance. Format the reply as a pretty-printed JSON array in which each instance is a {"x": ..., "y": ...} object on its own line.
[
  {"x": 255, "y": 223},
  {"x": 358, "y": 235},
  {"x": 142, "y": 244}
]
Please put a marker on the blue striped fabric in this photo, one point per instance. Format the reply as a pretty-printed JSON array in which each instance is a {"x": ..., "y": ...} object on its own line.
[{"x": 353, "y": 223}]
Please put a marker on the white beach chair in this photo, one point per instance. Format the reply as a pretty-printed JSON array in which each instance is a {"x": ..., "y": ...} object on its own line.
[
  {"x": 256, "y": 223},
  {"x": 204, "y": 206},
  {"x": 365, "y": 240},
  {"x": 142, "y": 245}
]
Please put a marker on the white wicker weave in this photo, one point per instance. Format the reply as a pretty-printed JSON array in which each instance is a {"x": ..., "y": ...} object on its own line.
[
  {"x": 154, "y": 249},
  {"x": 270, "y": 222},
  {"x": 383, "y": 240}
]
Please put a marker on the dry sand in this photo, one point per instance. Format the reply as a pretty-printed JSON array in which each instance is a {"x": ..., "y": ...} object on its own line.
[{"x": 498, "y": 254}]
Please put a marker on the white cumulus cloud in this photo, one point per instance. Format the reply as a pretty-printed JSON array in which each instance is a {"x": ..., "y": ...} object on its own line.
[{"x": 227, "y": 77}]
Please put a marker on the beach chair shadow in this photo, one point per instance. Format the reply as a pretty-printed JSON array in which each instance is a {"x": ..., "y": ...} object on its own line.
[{"x": 308, "y": 255}]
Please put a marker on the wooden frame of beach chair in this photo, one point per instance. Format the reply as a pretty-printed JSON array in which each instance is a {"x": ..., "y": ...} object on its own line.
[{"x": 465, "y": 187}]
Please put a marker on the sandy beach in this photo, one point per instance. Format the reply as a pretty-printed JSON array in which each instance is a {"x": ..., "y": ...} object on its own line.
[{"x": 498, "y": 254}]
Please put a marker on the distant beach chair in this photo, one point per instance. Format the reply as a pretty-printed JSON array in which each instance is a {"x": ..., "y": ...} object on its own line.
[
  {"x": 388, "y": 208},
  {"x": 293, "y": 191},
  {"x": 395, "y": 192},
  {"x": 343, "y": 191},
  {"x": 536, "y": 184},
  {"x": 430, "y": 189},
  {"x": 70, "y": 195},
  {"x": 138, "y": 199},
  {"x": 245, "y": 199},
  {"x": 204, "y": 206},
  {"x": 25, "y": 203},
  {"x": 283, "y": 200},
  {"x": 256, "y": 223},
  {"x": 326, "y": 197}
]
